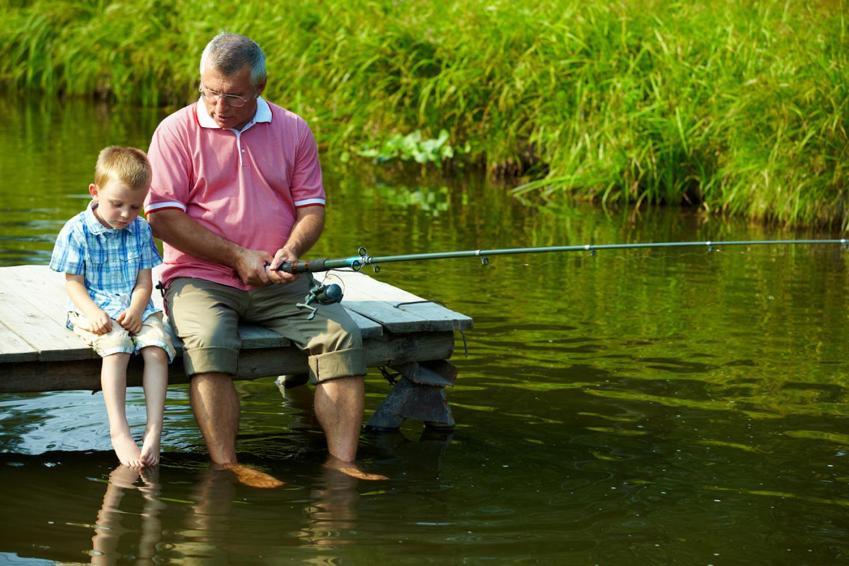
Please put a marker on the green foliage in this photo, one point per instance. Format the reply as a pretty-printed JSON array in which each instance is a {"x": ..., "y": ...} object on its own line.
[
  {"x": 735, "y": 106},
  {"x": 412, "y": 148}
]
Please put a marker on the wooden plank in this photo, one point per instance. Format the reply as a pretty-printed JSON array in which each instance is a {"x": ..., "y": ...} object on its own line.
[
  {"x": 43, "y": 290},
  {"x": 33, "y": 306},
  {"x": 38, "y": 286},
  {"x": 52, "y": 340},
  {"x": 397, "y": 310},
  {"x": 15, "y": 349},
  {"x": 85, "y": 374},
  {"x": 256, "y": 337},
  {"x": 368, "y": 327}
]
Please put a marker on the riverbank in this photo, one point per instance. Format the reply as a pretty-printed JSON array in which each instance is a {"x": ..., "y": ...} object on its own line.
[{"x": 734, "y": 107}]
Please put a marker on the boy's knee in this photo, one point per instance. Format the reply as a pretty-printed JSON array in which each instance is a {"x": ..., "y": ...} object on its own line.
[{"x": 154, "y": 354}]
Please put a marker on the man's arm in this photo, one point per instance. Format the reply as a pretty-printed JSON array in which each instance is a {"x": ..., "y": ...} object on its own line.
[
  {"x": 305, "y": 233},
  {"x": 178, "y": 229}
]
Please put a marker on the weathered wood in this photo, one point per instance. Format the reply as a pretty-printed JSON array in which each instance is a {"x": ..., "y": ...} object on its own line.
[
  {"x": 395, "y": 309},
  {"x": 38, "y": 376},
  {"x": 52, "y": 340},
  {"x": 418, "y": 394},
  {"x": 400, "y": 330},
  {"x": 13, "y": 348},
  {"x": 34, "y": 297}
]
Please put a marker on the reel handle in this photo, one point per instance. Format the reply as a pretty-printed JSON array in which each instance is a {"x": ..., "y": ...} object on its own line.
[{"x": 312, "y": 266}]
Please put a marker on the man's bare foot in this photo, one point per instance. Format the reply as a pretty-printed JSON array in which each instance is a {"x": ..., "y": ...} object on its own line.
[
  {"x": 253, "y": 477},
  {"x": 127, "y": 450},
  {"x": 351, "y": 469},
  {"x": 150, "y": 449}
]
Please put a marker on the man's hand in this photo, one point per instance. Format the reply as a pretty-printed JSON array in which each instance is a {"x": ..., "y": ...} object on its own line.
[
  {"x": 283, "y": 254},
  {"x": 130, "y": 320},
  {"x": 98, "y": 322},
  {"x": 250, "y": 266}
]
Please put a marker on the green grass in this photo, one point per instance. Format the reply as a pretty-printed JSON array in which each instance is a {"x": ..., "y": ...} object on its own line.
[{"x": 737, "y": 107}]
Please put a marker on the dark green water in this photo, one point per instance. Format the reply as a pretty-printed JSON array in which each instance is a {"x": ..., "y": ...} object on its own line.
[{"x": 664, "y": 407}]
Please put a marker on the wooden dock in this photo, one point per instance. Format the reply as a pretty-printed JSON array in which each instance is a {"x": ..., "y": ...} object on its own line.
[{"x": 409, "y": 335}]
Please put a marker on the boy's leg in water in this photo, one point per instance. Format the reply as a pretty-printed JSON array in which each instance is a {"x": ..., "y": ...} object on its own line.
[
  {"x": 113, "y": 382},
  {"x": 155, "y": 381}
]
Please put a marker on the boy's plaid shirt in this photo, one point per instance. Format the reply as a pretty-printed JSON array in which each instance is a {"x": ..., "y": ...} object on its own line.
[{"x": 108, "y": 259}]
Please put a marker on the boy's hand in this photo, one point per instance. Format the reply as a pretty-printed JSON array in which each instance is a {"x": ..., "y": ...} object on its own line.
[
  {"x": 131, "y": 321},
  {"x": 100, "y": 323}
]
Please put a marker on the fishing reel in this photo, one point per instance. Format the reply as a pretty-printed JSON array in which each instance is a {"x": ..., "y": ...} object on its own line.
[{"x": 321, "y": 294}]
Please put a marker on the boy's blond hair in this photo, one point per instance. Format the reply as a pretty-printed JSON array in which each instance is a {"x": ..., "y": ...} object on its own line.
[{"x": 128, "y": 165}]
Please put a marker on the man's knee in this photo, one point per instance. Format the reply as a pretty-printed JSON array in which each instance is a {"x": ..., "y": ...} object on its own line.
[
  {"x": 211, "y": 378},
  {"x": 342, "y": 336}
]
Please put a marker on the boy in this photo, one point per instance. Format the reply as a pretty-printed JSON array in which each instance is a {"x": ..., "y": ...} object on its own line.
[{"x": 107, "y": 253}]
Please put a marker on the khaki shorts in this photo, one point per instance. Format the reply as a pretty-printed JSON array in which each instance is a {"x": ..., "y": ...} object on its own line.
[
  {"x": 119, "y": 341},
  {"x": 206, "y": 316}
]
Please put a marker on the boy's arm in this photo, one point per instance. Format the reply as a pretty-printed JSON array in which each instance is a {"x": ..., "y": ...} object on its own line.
[
  {"x": 131, "y": 319},
  {"x": 99, "y": 321}
]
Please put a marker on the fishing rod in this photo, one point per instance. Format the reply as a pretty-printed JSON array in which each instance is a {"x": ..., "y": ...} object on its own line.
[
  {"x": 332, "y": 293},
  {"x": 359, "y": 261}
]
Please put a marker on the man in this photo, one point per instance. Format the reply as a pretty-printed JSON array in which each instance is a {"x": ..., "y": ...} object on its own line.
[{"x": 237, "y": 190}]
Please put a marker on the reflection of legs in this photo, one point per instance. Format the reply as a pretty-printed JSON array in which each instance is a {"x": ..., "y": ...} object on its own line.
[
  {"x": 151, "y": 531},
  {"x": 155, "y": 380},
  {"x": 108, "y": 526},
  {"x": 209, "y": 523},
  {"x": 216, "y": 407},
  {"x": 333, "y": 511},
  {"x": 339, "y": 408},
  {"x": 113, "y": 381}
]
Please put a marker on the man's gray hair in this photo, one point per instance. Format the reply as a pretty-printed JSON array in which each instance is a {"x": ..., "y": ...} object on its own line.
[{"x": 228, "y": 53}]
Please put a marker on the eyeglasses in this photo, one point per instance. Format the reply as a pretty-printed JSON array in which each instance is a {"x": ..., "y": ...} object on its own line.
[{"x": 212, "y": 97}]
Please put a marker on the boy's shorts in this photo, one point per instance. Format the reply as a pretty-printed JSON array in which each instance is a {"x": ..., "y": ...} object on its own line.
[
  {"x": 206, "y": 316},
  {"x": 119, "y": 341}
]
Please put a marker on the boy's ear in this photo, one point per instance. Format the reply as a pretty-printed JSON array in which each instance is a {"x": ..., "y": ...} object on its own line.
[{"x": 92, "y": 190}]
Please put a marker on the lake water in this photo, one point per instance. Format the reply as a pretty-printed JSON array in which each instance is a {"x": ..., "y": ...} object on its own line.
[{"x": 636, "y": 407}]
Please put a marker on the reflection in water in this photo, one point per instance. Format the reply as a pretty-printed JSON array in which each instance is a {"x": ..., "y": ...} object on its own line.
[
  {"x": 332, "y": 511},
  {"x": 111, "y": 527}
]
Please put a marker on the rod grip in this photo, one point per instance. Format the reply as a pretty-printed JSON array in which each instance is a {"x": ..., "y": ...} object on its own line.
[{"x": 312, "y": 265}]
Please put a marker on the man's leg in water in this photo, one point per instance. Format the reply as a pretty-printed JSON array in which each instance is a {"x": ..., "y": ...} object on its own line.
[
  {"x": 205, "y": 316},
  {"x": 215, "y": 404},
  {"x": 339, "y": 409}
]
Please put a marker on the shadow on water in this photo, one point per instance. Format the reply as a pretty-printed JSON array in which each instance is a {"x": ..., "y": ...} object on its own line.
[{"x": 669, "y": 407}]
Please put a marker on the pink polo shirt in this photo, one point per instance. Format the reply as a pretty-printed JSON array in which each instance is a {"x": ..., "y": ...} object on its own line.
[{"x": 243, "y": 185}]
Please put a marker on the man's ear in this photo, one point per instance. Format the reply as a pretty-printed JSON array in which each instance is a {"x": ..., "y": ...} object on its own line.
[{"x": 260, "y": 87}]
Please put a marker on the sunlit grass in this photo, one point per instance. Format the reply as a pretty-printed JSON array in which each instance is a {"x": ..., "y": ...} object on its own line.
[{"x": 737, "y": 107}]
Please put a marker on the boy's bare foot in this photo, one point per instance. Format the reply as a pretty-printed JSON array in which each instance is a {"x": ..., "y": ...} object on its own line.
[
  {"x": 127, "y": 450},
  {"x": 150, "y": 449},
  {"x": 351, "y": 469},
  {"x": 253, "y": 477}
]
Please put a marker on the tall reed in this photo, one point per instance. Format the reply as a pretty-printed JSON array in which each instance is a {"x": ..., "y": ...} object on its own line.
[{"x": 734, "y": 106}]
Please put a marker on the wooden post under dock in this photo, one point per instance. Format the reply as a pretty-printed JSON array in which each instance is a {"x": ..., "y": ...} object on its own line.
[{"x": 408, "y": 335}]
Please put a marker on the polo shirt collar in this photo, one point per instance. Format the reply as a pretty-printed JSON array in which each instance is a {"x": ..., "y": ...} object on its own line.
[{"x": 262, "y": 114}]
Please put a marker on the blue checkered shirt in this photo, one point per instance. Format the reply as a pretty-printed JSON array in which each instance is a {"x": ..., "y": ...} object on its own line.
[{"x": 109, "y": 260}]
